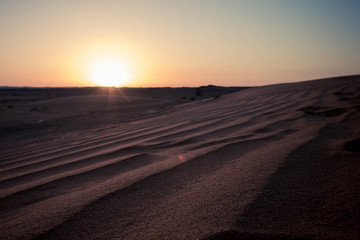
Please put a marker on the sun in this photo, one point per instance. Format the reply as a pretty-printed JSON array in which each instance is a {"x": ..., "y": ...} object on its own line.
[{"x": 109, "y": 72}]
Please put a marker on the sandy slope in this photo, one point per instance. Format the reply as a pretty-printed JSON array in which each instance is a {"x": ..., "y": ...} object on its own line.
[{"x": 262, "y": 163}]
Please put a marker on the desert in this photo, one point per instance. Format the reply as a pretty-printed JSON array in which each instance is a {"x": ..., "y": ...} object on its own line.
[{"x": 273, "y": 162}]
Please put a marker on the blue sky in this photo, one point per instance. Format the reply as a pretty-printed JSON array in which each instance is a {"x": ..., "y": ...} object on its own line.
[{"x": 179, "y": 43}]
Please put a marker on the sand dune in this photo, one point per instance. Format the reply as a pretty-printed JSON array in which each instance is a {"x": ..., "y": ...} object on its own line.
[{"x": 272, "y": 162}]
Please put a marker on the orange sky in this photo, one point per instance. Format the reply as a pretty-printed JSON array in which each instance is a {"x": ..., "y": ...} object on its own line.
[{"x": 178, "y": 43}]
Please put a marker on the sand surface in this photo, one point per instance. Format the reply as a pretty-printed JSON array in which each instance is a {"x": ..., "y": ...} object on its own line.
[{"x": 273, "y": 162}]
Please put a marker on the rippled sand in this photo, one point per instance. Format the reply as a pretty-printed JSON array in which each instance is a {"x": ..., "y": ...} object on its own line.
[{"x": 273, "y": 162}]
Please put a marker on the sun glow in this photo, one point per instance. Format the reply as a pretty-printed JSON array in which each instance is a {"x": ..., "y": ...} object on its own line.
[{"x": 109, "y": 72}]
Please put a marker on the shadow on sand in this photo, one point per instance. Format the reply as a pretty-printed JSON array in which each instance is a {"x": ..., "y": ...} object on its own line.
[{"x": 235, "y": 235}]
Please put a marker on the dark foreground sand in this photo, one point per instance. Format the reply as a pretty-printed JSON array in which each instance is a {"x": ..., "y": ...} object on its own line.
[{"x": 274, "y": 162}]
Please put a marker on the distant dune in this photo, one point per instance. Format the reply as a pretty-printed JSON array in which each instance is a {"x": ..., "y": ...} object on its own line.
[{"x": 273, "y": 162}]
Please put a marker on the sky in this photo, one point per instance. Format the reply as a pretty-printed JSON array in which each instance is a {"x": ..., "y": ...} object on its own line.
[{"x": 178, "y": 43}]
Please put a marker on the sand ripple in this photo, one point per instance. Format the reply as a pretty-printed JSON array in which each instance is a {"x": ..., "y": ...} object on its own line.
[{"x": 266, "y": 162}]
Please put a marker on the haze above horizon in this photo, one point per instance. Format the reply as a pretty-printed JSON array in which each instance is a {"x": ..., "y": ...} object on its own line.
[{"x": 178, "y": 43}]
